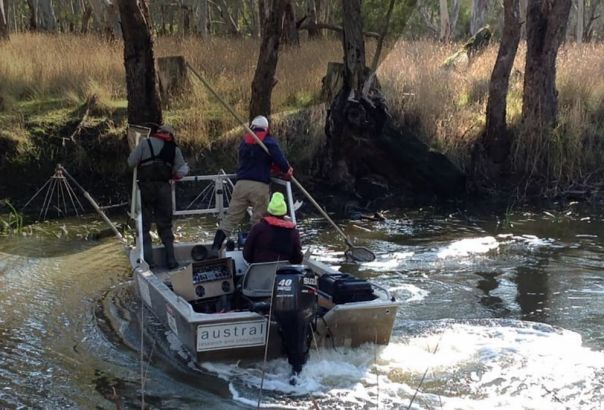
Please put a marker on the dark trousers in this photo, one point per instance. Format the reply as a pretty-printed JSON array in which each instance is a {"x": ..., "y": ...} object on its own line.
[{"x": 156, "y": 198}]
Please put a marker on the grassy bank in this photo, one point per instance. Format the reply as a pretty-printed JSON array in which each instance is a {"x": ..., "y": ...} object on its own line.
[
  {"x": 450, "y": 106},
  {"x": 44, "y": 80}
]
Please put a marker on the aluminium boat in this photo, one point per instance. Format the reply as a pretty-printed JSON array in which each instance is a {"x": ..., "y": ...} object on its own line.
[{"x": 223, "y": 308}]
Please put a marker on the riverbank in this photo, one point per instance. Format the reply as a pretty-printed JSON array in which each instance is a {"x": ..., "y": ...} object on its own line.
[{"x": 44, "y": 99}]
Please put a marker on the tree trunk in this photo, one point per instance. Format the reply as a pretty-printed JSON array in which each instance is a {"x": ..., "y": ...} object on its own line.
[
  {"x": 311, "y": 10},
  {"x": 453, "y": 17},
  {"x": 262, "y": 15},
  {"x": 592, "y": 17},
  {"x": 354, "y": 45},
  {"x": 546, "y": 26},
  {"x": 290, "y": 31},
  {"x": 380, "y": 43},
  {"x": 186, "y": 9},
  {"x": 106, "y": 16},
  {"x": 496, "y": 138},
  {"x": 112, "y": 19},
  {"x": 268, "y": 57},
  {"x": 33, "y": 21},
  {"x": 254, "y": 18},
  {"x": 202, "y": 18},
  {"x": 580, "y": 20},
  {"x": 230, "y": 19},
  {"x": 445, "y": 26},
  {"x": 3, "y": 22},
  {"x": 48, "y": 19},
  {"x": 172, "y": 74},
  {"x": 363, "y": 147},
  {"x": 479, "y": 15},
  {"x": 523, "y": 10},
  {"x": 144, "y": 104},
  {"x": 86, "y": 18}
]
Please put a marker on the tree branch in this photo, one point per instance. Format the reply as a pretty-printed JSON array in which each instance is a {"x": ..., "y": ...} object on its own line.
[{"x": 309, "y": 25}]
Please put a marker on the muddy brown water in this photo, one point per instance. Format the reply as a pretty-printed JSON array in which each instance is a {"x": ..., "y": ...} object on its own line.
[{"x": 496, "y": 312}]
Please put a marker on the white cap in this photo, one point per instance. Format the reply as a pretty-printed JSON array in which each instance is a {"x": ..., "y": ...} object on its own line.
[
  {"x": 260, "y": 122},
  {"x": 166, "y": 128}
]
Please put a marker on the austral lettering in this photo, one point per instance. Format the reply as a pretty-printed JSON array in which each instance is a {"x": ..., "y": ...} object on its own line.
[
  {"x": 230, "y": 332},
  {"x": 231, "y": 335}
]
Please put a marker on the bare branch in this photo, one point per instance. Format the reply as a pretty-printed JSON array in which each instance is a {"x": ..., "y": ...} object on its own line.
[{"x": 309, "y": 25}]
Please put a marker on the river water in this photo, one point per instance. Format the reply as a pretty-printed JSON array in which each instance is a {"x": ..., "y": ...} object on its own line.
[{"x": 497, "y": 311}]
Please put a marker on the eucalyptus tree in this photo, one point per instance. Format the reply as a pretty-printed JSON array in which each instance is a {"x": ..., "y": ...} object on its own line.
[
  {"x": 3, "y": 22},
  {"x": 264, "y": 77},
  {"x": 497, "y": 140},
  {"x": 144, "y": 104},
  {"x": 479, "y": 15},
  {"x": 546, "y": 25},
  {"x": 47, "y": 16}
]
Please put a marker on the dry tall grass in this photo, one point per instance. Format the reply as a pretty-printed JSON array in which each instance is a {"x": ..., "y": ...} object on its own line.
[
  {"x": 38, "y": 67},
  {"x": 446, "y": 106},
  {"x": 450, "y": 106}
]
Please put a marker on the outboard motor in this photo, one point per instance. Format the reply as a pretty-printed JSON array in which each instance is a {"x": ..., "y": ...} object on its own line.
[{"x": 294, "y": 307}]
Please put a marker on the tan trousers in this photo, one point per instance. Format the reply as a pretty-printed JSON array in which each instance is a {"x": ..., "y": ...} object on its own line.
[{"x": 246, "y": 193}]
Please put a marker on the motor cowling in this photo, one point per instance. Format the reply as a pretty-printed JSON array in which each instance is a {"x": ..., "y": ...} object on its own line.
[{"x": 294, "y": 307}]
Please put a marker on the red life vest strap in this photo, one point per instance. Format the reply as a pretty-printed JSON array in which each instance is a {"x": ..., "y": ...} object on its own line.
[
  {"x": 249, "y": 138},
  {"x": 279, "y": 222}
]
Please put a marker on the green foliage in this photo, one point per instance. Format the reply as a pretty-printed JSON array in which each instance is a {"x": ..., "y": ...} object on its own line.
[
  {"x": 12, "y": 223},
  {"x": 374, "y": 12}
]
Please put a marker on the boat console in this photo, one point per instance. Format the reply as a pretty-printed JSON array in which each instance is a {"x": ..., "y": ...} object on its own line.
[{"x": 205, "y": 279}]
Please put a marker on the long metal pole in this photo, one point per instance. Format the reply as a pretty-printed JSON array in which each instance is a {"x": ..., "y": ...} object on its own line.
[
  {"x": 259, "y": 142},
  {"x": 93, "y": 203}
]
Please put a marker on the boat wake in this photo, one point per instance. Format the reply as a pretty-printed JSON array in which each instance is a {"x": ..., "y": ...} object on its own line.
[{"x": 471, "y": 365}]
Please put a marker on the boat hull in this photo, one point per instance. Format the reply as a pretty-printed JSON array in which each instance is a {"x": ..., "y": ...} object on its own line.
[{"x": 242, "y": 335}]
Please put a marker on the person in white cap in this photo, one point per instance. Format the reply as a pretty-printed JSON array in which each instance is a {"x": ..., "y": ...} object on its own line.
[
  {"x": 158, "y": 160},
  {"x": 253, "y": 178}
]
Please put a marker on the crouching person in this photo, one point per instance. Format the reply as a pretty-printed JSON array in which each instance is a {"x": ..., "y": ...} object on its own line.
[
  {"x": 158, "y": 160},
  {"x": 274, "y": 237}
]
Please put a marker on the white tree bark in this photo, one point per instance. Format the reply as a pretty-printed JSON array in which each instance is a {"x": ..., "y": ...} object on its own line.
[
  {"x": 3, "y": 22},
  {"x": 48, "y": 19},
  {"x": 479, "y": 15},
  {"x": 580, "y": 20},
  {"x": 445, "y": 26}
]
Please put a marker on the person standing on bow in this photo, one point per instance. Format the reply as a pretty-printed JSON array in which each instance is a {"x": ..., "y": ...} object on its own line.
[
  {"x": 274, "y": 238},
  {"x": 158, "y": 160},
  {"x": 253, "y": 178}
]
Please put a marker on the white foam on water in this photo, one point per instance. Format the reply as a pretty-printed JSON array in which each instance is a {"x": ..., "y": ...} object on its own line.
[
  {"x": 468, "y": 246},
  {"x": 529, "y": 241},
  {"x": 415, "y": 293},
  {"x": 472, "y": 365},
  {"x": 387, "y": 262}
]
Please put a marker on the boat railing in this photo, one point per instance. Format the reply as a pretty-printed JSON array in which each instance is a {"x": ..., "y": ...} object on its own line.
[
  {"x": 383, "y": 289},
  {"x": 214, "y": 196}
]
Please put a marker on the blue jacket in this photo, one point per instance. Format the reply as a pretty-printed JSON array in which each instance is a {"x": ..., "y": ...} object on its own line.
[{"x": 254, "y": 163}]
